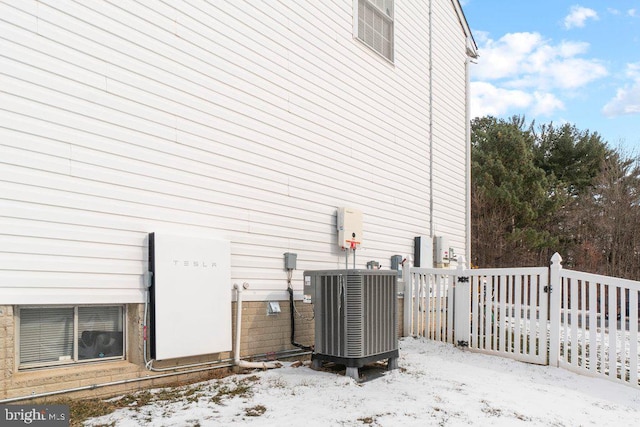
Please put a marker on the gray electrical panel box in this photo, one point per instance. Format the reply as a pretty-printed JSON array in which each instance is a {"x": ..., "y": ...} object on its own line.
[
  {"x": 290, "y": 260},
  {"x": 423, "y": 252},
  {"x": 396, "y": 264},
  {"x": 441, "y": 249}
]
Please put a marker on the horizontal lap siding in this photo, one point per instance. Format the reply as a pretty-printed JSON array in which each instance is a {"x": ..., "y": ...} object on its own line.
[
  {"x": 449, "y": 127},
  {"x": 251, "y": 121}
]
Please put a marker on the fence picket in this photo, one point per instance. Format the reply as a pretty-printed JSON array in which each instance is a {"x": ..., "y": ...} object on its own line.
[
  {"x": 603, "y": 330},
  {"x": 494, "y": 312},
  {"x": 612, "y": 336},
  {"x": 633, "y": 337},
  {"x": 437, "y": 309},
  {"x": 623, "y": 350},
  {"x": 503, "y": 313},
  {"x": 573, "y": 321},
  {"x": 517, "y": 286},
  {"x": 450, "y": 319},
  {"x": 555, "y": 290},
  {"x": 593, "y": 343}
]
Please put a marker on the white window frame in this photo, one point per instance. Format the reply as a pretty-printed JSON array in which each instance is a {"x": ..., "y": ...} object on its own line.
[
  {"x": 75, "y": 359},
  {"x": 389, "y": 18}
]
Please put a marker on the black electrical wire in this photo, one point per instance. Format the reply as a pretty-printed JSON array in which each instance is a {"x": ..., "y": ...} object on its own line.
[{"x": 292, "y": 309}]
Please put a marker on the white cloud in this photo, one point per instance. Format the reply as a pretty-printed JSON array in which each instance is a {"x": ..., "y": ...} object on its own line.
[
  {"x": 526, "y": 60},
  {"x": 627, "y": 99},
  {"x": 632, "y": 12},
  {"x": 525, "y": 73},
  {"x": 578, "y": 15},
  {"x": 503, "y": 58},
  {"x": 633, "y": 71},
  {"x": 490, "y": 100},
  {"x": 613, "y": 11},
  {"x": 573, "y": 73},
  {"x": 546, "y": 104}
]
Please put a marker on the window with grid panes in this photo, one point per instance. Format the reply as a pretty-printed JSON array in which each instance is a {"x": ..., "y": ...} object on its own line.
[
  {"x": 62, "y": 335},
  {"x": 375, "y": 25}
]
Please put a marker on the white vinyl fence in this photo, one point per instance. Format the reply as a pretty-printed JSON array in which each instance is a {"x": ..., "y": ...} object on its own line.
[
  {"x": 594, "y": 324},
  {"x": 583, "y": 322},
  {"x": 427, "y": 304}
]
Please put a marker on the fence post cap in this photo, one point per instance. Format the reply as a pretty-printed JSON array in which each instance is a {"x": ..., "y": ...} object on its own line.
[{"x": 556, "y": 258}]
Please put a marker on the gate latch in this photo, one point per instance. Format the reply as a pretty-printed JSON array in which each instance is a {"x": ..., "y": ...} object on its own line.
[
  {"x": 547, "y": 289},
  {"x": 463, "y": 343},
  {"x": 463, "y": 279}
]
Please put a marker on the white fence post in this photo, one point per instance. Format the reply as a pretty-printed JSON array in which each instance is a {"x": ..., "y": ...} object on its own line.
[
  {"x": 555, "y": 296},
  {"x": 407, "y": 329},
  {"x": 462, "y": 305}
]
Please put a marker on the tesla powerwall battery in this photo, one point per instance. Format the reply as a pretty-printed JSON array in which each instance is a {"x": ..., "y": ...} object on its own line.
[{"x": 190, "y": 295}]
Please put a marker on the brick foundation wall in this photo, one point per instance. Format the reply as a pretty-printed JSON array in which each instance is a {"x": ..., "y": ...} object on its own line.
[
  {"x": 261, "y": 334},
  {"x": 7, "y": 347}
]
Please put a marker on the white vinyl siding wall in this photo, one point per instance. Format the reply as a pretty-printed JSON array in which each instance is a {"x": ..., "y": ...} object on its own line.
[
  {"x": 449, "y": 126},
  {"x": 250, "y": 121}
]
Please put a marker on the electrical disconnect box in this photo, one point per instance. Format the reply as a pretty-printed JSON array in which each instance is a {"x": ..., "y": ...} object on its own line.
[
  {"x": 423, "y": 252},
  {"x": 396, "y": 264},
  {"x": 441, "y": 249},
  {"x": 349, "y": 225},
  {"x": 290, "y": 260}
]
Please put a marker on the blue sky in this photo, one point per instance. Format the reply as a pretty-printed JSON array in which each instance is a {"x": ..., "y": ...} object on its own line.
[{"x": 560, "y": 61}]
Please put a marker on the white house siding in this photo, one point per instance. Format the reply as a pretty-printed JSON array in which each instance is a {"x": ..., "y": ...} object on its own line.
[
  {"x": 449, "y": 126},
  {"x": 250, "y": 121}
]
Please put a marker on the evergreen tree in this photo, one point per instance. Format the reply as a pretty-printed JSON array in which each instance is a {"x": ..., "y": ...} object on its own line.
[{"x": 511, "y": 194}]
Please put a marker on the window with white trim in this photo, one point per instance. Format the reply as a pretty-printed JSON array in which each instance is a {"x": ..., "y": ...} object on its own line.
[
  {"x": 56, "y": 335},
  {"x": 374, "y": 25}
]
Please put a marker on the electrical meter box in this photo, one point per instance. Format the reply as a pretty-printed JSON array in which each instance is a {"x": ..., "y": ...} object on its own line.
[
  {"x": 349, "y": 224},
  {"x": 441, "y": 250}
]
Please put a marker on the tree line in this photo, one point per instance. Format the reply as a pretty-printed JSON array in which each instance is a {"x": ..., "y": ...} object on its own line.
[{"x": 551, "y": 188}]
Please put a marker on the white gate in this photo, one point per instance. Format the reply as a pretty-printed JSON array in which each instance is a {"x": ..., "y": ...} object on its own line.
[
  {"x": 509, "y": 311},
  {"x": 497, "y": 311}
]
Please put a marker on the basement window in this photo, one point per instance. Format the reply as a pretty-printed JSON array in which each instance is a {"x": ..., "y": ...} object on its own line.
[
  {"x": 374, "y": 25},
  {"x": 59, "y": 335}
]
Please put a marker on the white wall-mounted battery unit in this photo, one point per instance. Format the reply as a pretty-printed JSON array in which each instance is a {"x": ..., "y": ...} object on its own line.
[
  {"x": 190, "y": 295},
  {"x": 423, "y": 252},
  {"x": 349, "y": 224},
  {"x": 441, "y": 249}
]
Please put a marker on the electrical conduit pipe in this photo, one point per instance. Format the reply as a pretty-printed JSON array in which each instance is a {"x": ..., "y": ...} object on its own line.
[{"x": 236, "y": 352}]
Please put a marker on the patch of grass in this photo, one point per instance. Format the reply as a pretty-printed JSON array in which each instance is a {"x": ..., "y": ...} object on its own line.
[
  {"x": 521, "y": 417},
  {"x": 255, "y": 411},
  {"x": 237, "y": 388},
  {"x": 490, "y": 410},
  {"x": 81, "y": 410}
]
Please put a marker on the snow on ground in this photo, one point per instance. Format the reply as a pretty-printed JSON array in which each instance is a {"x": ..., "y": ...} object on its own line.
[{"x": 437, "y": 384}]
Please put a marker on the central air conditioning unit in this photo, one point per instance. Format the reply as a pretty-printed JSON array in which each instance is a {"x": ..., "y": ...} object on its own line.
[{"x": 356, "y": 317}]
